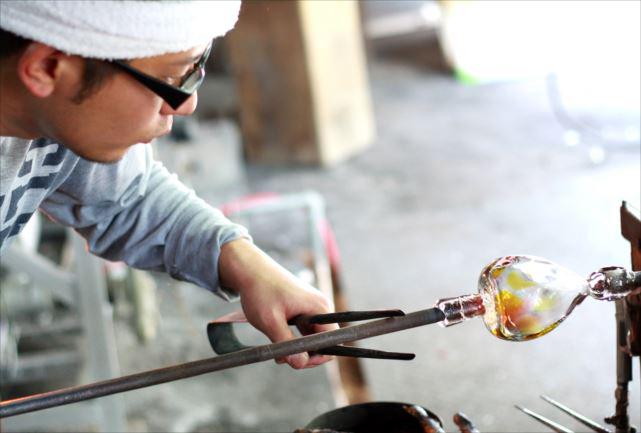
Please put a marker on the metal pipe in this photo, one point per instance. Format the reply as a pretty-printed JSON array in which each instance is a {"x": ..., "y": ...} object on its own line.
[
  {"x": 558, "y": 428},
  {"x": 577, "y": 416},
  {"x": 248, "y": 356}
]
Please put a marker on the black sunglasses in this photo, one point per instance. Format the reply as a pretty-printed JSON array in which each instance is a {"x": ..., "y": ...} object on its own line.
[{"x": 174, "y": 96}]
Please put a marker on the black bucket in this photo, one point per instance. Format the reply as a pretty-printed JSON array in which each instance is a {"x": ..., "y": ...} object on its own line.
[{"x": 378, "y": 417}]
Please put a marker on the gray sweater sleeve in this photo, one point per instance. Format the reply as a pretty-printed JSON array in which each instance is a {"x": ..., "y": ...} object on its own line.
[{"x": 135, "y": 211}]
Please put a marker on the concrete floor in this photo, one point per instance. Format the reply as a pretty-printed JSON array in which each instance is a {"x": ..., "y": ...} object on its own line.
[{"x": 458, "y": 176}]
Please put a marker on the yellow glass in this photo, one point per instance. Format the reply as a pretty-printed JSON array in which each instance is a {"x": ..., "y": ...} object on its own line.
[{"x": 526, "y": 297}]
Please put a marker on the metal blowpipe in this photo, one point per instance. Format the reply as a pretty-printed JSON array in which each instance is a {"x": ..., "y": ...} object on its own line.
[{"x": 247, "y": 356}]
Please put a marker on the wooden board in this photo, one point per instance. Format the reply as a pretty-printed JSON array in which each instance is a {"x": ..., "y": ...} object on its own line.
[{"x": 302, "y": 82}]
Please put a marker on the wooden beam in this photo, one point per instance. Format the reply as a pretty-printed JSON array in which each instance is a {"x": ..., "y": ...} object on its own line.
[{"x": 302, "y": 82}]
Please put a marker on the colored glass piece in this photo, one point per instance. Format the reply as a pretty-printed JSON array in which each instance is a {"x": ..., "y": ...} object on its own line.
[{"x": 526, "y": 296}]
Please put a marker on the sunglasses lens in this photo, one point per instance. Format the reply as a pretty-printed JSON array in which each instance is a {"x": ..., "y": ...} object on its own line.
[
  {"x": 193, "y": 81},
  {"x": 174, "y": 96}
]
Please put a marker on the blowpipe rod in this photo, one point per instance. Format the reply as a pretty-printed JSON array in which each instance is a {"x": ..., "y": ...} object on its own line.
[{"x": 195, "y": 368}]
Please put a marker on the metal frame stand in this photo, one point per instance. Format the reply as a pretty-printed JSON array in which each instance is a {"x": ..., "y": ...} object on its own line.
[
  {"x": 84, "y": 291},
  {"x": 628, "y": 320}
]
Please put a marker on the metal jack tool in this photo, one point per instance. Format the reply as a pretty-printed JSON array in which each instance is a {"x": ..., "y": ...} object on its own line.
[{"x": 223, "y": 339}]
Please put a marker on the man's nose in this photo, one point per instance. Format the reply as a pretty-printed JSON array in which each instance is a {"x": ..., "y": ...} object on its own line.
[{"x": 185, "y": 109}]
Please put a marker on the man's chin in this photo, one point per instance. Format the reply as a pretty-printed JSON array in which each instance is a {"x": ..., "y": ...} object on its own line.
[
  {"x": 109, "y": 154},
  {"x": 106, "y": 158},
  {"x": 114, "y": 160}
]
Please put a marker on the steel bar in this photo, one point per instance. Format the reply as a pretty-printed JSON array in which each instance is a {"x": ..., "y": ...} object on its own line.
[
  {"x": 543, "y": 420},
  {"x": 236, "y": 359},
  {"x": 577, "y": 416}
]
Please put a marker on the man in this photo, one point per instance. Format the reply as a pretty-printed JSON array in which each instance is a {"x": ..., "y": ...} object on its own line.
[{"x": 84, "y": 87}]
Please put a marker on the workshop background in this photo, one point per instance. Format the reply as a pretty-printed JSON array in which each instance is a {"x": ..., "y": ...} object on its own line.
[{"x": 386, "y": 151}]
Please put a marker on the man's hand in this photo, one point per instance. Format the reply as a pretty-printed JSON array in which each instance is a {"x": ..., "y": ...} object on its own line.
[{"x": 270, "y": 295}]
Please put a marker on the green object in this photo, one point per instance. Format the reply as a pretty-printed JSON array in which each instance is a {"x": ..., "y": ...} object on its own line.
[{"x": 465, "y": 77}]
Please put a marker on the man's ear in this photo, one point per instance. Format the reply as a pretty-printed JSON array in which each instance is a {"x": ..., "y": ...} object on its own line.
[{"x": 39, "y": 67}]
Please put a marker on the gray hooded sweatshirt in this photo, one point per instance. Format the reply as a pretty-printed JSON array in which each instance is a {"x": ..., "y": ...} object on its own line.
[{"x": 132, "y": 211}]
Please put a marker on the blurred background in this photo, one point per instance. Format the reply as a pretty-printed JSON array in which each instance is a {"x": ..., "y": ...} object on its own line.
[{"x": 385, "y": 151}]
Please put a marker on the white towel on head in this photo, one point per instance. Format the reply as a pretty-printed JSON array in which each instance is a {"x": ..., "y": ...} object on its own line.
[{"x": 119, "y": 29}]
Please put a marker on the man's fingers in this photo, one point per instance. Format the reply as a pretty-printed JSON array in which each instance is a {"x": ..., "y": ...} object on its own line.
[
  {"x": 298, "y": 361},
  {"x": 278, "y": 334},
  {"x": 312, "y": 361},
  {"x": 313, "y": 329},
  {"x": 316, "y": 360},
  {"x": 303, "y": 360}
]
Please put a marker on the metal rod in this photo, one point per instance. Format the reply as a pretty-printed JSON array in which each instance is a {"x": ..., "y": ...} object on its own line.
[
  {"x": 577, "y": 416},
  {"x": 621, "y": 419},
  {"x": 195, "y": 368},
  {"x": 543, "y": 420}
]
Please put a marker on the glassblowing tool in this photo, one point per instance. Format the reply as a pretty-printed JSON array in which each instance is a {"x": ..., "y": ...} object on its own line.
[
  {"x": 520, "y": 298},
  {"x": 555, "y": 427},
  {"x": 593, "y": 426}
]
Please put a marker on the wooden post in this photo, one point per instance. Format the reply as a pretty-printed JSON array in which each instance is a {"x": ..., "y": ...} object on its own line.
[{"x": 302, "y": 82}]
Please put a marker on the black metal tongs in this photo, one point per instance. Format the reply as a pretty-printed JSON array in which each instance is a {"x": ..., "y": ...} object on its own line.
[{"x": 223, "y": 339}]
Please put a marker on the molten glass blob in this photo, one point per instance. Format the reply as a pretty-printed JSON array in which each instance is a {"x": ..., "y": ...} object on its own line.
[{"x": 526, "y": 297}]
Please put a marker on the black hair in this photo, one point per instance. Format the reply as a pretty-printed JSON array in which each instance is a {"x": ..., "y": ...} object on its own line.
[
  {"x": 11, "y": 44},
  {"x": 94, "y": 75}
]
